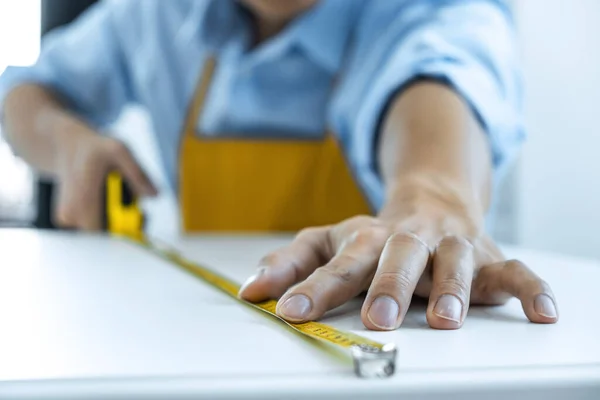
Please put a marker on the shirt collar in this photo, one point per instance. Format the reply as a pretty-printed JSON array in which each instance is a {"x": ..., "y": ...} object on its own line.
[
  {"x": 322, "y": 33},
  {"x": 217, "y": 22}
]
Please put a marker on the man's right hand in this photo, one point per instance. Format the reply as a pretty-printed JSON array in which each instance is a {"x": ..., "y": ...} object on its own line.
[
  {"x": 84, "y": 160},
  {"x": 53, "y": 141}
]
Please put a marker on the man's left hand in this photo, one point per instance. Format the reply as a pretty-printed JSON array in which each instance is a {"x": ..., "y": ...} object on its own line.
[{"x": 435, "y": 249}]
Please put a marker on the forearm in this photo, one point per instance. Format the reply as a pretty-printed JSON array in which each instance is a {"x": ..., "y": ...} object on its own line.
[
  {"x": 35, "y": 124},
  {"x": 432, "y": 146}
]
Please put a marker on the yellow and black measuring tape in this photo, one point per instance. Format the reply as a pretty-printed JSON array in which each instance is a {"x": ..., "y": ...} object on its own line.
[{"x": 124, "y": 219}]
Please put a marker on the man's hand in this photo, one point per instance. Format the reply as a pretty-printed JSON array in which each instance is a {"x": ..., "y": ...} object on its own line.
[
  {"x": 57, "y": 143},
  {"x": 83, "y": 163},
  {"x": 433, "y": 247}
]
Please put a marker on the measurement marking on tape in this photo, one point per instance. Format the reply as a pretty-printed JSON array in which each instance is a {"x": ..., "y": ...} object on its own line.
[{"x": 371, "y": 359}]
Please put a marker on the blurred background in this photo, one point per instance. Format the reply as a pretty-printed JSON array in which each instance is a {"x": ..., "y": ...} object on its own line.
[{"x": 550, "y": 201}]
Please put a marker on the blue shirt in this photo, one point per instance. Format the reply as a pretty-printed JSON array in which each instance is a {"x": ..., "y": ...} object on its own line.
[{"x": 151, "y": 52}]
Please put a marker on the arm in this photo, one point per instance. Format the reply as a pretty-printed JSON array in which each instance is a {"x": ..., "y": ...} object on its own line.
[
  {"x": 432, "y": 147},
  {"x": 465, "y": 49},
  {"x": 441, "y": 92}
]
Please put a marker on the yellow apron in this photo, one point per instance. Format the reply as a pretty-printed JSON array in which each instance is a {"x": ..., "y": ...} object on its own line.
[{"x": 261, "y": 185}]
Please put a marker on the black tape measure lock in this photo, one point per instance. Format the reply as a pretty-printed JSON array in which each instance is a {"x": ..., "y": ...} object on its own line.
[{"x": 124, "y": 219}]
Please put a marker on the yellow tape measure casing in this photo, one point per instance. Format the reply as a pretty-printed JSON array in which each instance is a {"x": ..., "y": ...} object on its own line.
[{"x": 124, "y": 216}]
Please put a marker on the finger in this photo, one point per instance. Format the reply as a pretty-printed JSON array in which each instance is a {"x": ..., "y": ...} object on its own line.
[
  {"x": 65, "y": 218},
  {"x": 66, "y": 213},
  {"x": 131, "y": 170},
  {"x": 90, "y": 206},
  {"x": 345, "y": 276},
  {"x": 453, "y": 267},
  {"x": 403, "y": 260},
  {"x": 282, "y": 268},
  {"x": 495, "y": 282}
]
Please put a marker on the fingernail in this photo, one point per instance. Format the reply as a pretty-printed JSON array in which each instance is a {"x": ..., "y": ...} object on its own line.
[
  {"x": 384, "y": 312},
  {"x": 448, "y": 307},
  {"x": 296, "y": 307},
  {"x": 252, "y": 279},
  {"x": 544, "y": 306}
]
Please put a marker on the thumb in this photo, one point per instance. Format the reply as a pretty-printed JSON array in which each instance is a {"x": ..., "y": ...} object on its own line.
[{"x": 134, "y": 175}]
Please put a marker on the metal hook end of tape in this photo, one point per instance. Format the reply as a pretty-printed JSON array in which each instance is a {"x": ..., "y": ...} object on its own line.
[{"x": 372, "y": 362}]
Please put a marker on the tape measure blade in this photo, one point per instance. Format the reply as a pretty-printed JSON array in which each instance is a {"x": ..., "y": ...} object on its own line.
[
  {"x": 314, "y": 330},
  {"x": 209, "y": 276}
]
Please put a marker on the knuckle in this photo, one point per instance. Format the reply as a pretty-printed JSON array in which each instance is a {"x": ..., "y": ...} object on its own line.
[
  {"x": 346, "y": 259},
  {"x": 271, "y": 259},
  {"x": 399, "y": 280},
  {"x": 344, "y": 276},
  {"x": 515, "y": 266},
  {"x": 404, "y": 238},
  {"x": 308, "y": 232},
  {"x": 360, "y": 219},
  {"x": 455, "y": 284},
  {"x": 455, "y": 241},
  {"x": 368, "y": 235}
]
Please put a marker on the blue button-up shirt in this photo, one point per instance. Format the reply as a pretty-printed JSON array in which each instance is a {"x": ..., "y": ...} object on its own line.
[{"x": 151, "y": 52}]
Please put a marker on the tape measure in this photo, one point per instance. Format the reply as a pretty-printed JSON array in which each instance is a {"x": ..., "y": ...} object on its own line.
[{"x": 125, "y": 220}]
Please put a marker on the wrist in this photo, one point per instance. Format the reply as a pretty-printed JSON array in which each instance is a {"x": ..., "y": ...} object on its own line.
[{"x": 419, "y": 193}]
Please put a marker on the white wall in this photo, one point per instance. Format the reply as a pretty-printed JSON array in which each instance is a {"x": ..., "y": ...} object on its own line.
[
  {"x": 558, "y": 195},
  {"x": 19, "y": 45},
  {"x": 19, "y": 32}
]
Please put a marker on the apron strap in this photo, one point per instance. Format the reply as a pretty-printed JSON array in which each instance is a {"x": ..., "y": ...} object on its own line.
[{"x": 200, "y": 95}]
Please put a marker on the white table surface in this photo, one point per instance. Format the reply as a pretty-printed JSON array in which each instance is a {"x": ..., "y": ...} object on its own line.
[{"x": 88, "y": 317}]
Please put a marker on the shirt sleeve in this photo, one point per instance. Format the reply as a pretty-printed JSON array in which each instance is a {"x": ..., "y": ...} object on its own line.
[
  {"x": 83, "y": 63},
  {"x": 467, "y": 44}
]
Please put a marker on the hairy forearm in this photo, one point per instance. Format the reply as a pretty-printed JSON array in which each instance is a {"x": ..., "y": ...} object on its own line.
[
  {"x": 432, "y": 146},
  {"x": 35, "y": 124}
]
